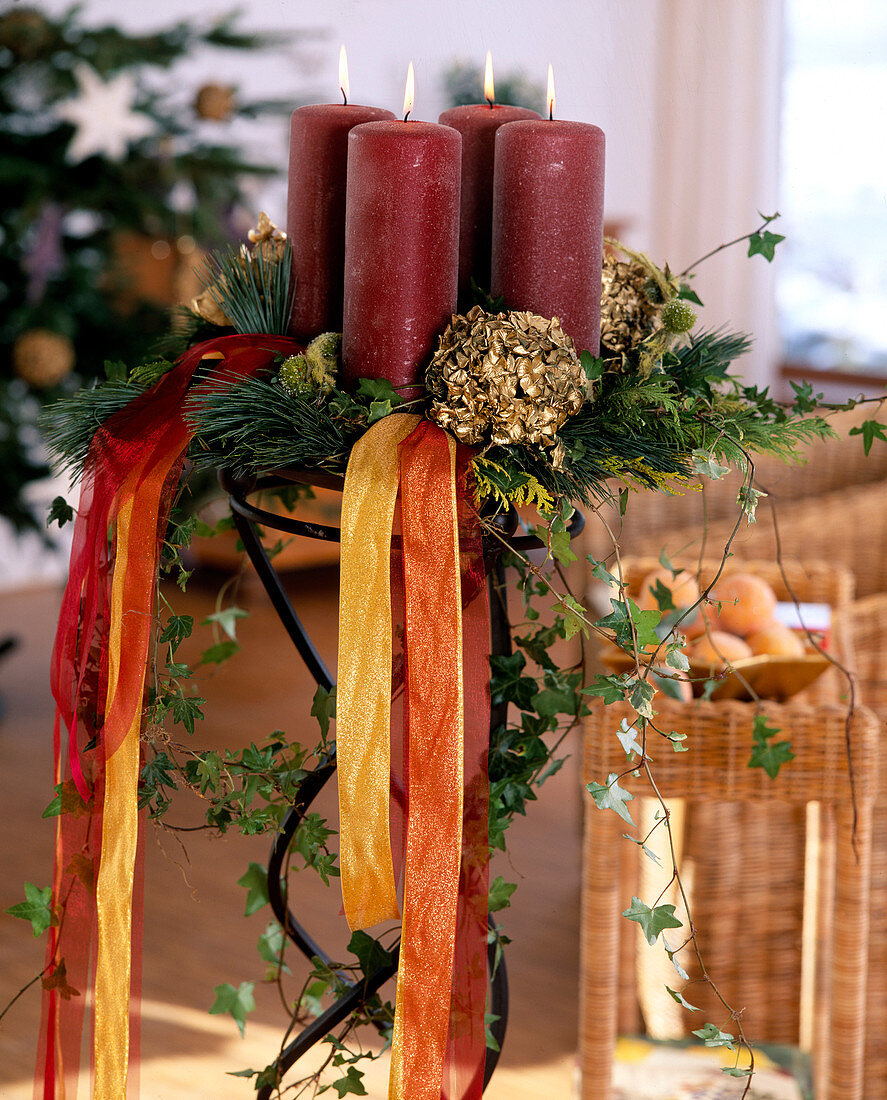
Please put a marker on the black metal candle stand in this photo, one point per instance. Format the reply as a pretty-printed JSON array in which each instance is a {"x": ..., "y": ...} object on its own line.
[{"x": 247, "y": 519}]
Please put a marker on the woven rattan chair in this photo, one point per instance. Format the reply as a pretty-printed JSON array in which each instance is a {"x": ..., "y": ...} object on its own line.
[
  {"x": 867, "y": 624},
  {"x": 848, "y": 527},
  {"x": 715, "y": 771},
  {"x": 825, "y": 468}
]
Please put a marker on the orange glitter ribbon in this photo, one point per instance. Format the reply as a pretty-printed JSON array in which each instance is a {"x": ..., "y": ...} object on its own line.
[{"x": 429, "y": 502}]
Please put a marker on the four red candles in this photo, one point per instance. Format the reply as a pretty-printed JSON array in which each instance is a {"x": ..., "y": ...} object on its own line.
[
  {"x": 548, "y": 216},
  {"x": 478, "y": 124},
  {"x": 315, "y": 219},
  {"x": 401, "y": 248}
]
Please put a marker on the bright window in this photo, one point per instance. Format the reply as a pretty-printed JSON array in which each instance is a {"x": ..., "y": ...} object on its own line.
[{"x": 832, "y": 287}]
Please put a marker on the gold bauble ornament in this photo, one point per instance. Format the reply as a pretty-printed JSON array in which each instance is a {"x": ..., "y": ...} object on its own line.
[
  {"x": 26, "y": 33},
  {"x": 214, "y": 102},
  {"x": 42, "y": 358},
  {"x": 505, "y": 378},
  {"x": 628, "y": 315}
]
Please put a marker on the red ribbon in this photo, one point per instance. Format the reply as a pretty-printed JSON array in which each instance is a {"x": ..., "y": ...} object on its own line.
[{"x": 127, "y": 454}]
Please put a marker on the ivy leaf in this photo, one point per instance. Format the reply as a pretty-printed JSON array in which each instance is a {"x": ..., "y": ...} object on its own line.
[
  {"x": 350, "y": 1083},
  {"x": 679, "y": 997},
  {"x": 508, "y": 685},
  {"x": 270, "y": 947},
  {"x": 628, "y": 739},
  {"x": 378, "y": 410},
  {"x": 765, "y": 755},
  {"x": 61, "y": 512},
  {"x": 623, "y": 500},
  {"x": 323, "y": 708},
  {"x": 640, "y": 697},
  {"x": 593, "y": 367},
  {"x": 255, "y": 881},
  {"x": 764, "y": 244},
  {"x": 705, "y": 464},
  {"x": 186, "y": 710},
  {"x": 677, "y": 659},
  {"x": 747, "y": 499},
  {"x": 378, "y": 389},
  {"x": 574, "y": 616},
  {"x": 176, "y": 629},
  {"x": 500, "y": 894},
  {"x": 805, "y": 399},
  {"x": 36, "y": 908},
  {"x": 652, "y": 921},
  {"x": 371, "y": 955},
  {"x": 672, "y": 955},
  {"x": 58, "y": 980},
  {"x": 227, "y": 620},
  {"x": 620, "y": 620},
  {"x": 712, "y": 1036},
  {"x": 736, "y": 1071},
  {"x": 662, "y": 594},
  {"x": 219, "y": 653},
  {"x": 610, "y": 688},
  {"x": 610, "y": 796},
  {"x": 559, "y": 547},
  {"x": 870, "y": 430},
  {"x": 489, "y": 1019},
  {"x": 688, "y": 294},
  {"x": 236, "y": 1002},
  {"x": 600, "y": 572}
]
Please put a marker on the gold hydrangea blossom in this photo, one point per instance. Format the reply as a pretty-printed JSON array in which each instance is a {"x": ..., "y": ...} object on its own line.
[
  {"x": 627, "y": 314},
  {"x": 505, "y": 378}
]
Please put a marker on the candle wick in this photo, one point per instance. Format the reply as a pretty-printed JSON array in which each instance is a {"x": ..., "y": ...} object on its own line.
[
  {"x": 344, "y": 97},
  {"x": 406, "y": 116},
  {"x": 490, "y": 101},
  {"x": 551, "y": 113}
]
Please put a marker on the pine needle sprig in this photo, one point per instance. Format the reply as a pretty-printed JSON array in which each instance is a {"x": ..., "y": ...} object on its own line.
[
  {"x": 253, "y": 289},
  {"x": 255, "y": 426},
  {"x": 69, "y": 425}
]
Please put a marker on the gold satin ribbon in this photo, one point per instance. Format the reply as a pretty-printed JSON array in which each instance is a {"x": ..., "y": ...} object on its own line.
[
  {"x": 363, "y": 694},
  {"x": 115, "y": 878}
]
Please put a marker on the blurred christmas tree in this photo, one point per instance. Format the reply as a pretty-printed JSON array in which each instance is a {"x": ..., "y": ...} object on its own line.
[{"x": 108, "y": 191}]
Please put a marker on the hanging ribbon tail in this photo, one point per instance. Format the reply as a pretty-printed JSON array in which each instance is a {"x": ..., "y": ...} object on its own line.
[
  {"x": 467, "y": 1047},
  {"x": 98, "y": 676},
  {"x": 363, "y": 692},
  {"x": 435, "y": 724}
]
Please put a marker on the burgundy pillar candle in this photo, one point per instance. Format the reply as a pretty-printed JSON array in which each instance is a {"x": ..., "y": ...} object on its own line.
[
  {"x": 548, "y": 217},
  {"x": 478, "y": 124},
  {"x": 401, "y": 248},
  {"x": 315, "y": 221}
]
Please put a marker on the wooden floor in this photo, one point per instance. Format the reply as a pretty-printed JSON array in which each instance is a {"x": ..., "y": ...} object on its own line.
[{"x": 195, "y": 933}]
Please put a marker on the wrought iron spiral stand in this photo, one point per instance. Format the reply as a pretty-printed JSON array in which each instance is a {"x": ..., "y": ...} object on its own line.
[{"x": 246, "y": 518}]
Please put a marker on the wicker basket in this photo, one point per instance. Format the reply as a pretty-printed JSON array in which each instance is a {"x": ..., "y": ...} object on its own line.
[
  {"x": 750, "y": 902},
  {"x": 807, "y": 582}
]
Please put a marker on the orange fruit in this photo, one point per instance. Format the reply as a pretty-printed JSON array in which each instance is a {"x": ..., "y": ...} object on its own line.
[
  {"x": 776, "y": 640},
  {"x": 718, "y": 648},
  {"x": 683, "y": 587},
  {"x": 747, "y": 604},
  {"x": 704, "y": 616}
]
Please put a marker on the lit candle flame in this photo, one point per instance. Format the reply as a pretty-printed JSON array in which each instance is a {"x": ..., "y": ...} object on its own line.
[
  {"x": 550, "y": 94},
  {"x": 409, "y": 93},
  {"x": 344, "y": 87},
  {"x": 489, "y": 89}
]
